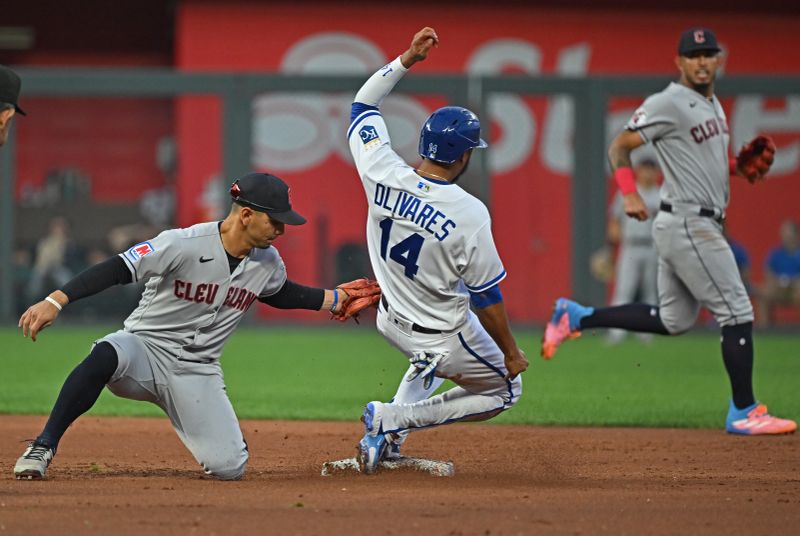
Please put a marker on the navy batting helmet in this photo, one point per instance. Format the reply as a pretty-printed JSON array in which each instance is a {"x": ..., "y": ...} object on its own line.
[{"x": 448, "y": 132}]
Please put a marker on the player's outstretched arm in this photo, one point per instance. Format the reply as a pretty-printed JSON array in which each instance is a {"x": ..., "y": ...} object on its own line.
[
  {"x": 380, "y": 84},
  {"x": 619, "y": 156},
  {"x": 344, "y": 302},
  {"x": 495, "y": 320},
  {"x": 87, "y": 283}
]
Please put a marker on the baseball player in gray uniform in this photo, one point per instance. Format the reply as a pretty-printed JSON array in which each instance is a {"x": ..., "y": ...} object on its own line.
[
  {"x": 637, "y": 259},
  {"x": 199, "y": 282},
  {"x": 431, "y": 248},
  {"x": 10, "y": 85},
  {"x": 689, "y": 132}
]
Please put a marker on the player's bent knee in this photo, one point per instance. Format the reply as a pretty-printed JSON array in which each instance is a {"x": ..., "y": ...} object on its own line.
[
  {"x": 676, "y": 324},
  {"x": 227, "y": 469}
]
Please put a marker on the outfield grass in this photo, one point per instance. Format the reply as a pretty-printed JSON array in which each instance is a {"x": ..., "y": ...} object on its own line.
[{"x": 329, "y": 373}]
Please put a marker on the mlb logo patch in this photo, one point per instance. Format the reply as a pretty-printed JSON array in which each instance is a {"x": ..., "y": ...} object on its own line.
[
  {"x": 424, "y": 187},
  {"x": 639, "y": 118},
  {"x": 140, "y": 250},
  {"x": 369, "y": 135}
]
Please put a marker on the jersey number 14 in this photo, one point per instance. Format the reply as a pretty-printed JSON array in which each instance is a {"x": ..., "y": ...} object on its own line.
[{"x": 405, "y": 253}]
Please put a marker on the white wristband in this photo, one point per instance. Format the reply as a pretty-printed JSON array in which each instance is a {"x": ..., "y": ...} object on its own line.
[{"x": 54, "y": 302}]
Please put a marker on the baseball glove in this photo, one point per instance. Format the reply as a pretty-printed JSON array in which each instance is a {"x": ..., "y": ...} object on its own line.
[
  {"x": 361, "y": 293},
  {"x": 755, "y": 158},
  {"x": 602, "y": 265}
]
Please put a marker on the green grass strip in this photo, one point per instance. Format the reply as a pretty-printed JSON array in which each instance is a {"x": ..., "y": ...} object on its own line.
[{"x": 329, "y": 374}]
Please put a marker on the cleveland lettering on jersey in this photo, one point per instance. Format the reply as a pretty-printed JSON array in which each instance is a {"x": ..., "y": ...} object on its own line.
[
  {"x": 708, "y": 129},
  {"x": 412, "y": 208},
  {"x": 203, "y": 292},
  {"x": 239, "y": 298}
]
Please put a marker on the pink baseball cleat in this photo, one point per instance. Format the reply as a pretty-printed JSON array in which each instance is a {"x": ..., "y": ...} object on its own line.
[
  {"x": 564, "y": 325},
  {"x": 755, "y": 420}
]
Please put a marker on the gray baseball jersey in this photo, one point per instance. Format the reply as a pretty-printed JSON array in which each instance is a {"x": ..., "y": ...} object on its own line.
[
  {"x": 191, "y": 302},
  {"x": 169, "y": 350},
  {"x": 690, "y": 136},
  {"x": 696, "y": 265}
]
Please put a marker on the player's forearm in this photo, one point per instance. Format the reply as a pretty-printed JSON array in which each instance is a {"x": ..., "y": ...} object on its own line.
[
  {"x": 495, "y": 320},
  {"x": 380, "y": 84},
  {"x": 96, "y": 279},
  {"x": 619, "y": 152},
  {"x": 295, "y": 296},
  {"x": 619, "y": 156}
]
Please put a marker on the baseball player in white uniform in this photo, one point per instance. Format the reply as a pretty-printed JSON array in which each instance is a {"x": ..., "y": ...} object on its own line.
[
  {"x": 637, "y": 259},
  {"x": 431, "y": 248},
  {"x": 200, "y": 281},
  {"x": 689, "y": 132}
]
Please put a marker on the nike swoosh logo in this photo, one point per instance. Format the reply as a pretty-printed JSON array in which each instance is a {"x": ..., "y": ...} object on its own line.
[{"x": 202, "y": 259}]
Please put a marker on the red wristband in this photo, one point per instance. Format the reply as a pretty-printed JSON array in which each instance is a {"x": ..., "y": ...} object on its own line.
[{"x": 626, "y": 180}]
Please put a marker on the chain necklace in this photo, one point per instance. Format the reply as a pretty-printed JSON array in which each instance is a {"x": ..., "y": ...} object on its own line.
[{"x": 431, "y": 175}]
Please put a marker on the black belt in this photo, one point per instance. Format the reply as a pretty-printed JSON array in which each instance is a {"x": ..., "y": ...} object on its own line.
[
  {"x": 705, "y": 212},
  {"x": 414, "y": 327},
  {"x": 639, "y": 241}
]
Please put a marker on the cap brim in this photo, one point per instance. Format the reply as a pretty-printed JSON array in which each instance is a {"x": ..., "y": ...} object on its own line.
[
  {"x": 290, "y": 217},
  {"x": 19, "y": 110},
  {"x": 698, "y": 49},
  {"x": 481, "y": 144}
]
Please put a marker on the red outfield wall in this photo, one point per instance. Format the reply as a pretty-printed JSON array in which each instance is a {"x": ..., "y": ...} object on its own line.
[
  {"x": 531, "y": 153},
  {"x": 302, "y": 137}
]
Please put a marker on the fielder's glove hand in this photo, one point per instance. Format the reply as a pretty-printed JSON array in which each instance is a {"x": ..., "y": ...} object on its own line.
[
  {"x": 425, "y": 363},
  {"x": 359, "y": 295},
  {"x": 755, "y": 158}
]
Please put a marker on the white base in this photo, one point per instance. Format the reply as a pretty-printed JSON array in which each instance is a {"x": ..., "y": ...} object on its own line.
[{"x": 432, "y": 467}]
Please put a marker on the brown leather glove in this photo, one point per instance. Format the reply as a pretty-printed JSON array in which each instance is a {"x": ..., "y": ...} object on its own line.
[
  {"x": 755, "y": 158},
  {"x": 361, "y": 293}
]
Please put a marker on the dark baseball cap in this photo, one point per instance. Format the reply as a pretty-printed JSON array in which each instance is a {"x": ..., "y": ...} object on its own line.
[
  {"x": 695, "y": 39},
  {"x": 10, "y": 85},
  {"x": 266, "y": 193}
]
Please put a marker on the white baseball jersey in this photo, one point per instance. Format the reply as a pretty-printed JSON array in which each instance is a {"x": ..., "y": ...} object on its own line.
[
  {"x": 191, "y": 301},
  {"x": 690, "y": 136},
  {"x": 429, "y": 240}
]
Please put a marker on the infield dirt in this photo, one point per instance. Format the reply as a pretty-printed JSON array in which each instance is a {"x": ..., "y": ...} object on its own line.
[{"x": 133, "y": 476}]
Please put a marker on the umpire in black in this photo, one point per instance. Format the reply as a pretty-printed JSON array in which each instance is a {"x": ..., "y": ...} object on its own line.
[{"x": 10, "y": 85}]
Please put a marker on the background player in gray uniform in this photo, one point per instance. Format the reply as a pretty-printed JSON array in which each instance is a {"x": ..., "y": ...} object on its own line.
[
  {"x": 10, "y": 86},
  {"x": 200, "y": 281},
  {"x": 637, "y": 259},
  {"x": 431, "y": 248},
  {"x": 689, "y": 132}
]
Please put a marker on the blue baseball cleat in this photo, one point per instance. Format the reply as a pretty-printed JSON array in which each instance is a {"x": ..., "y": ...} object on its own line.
[
  {"x": 564, "y": 324},
  {"x": 373, "y": 444}
]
